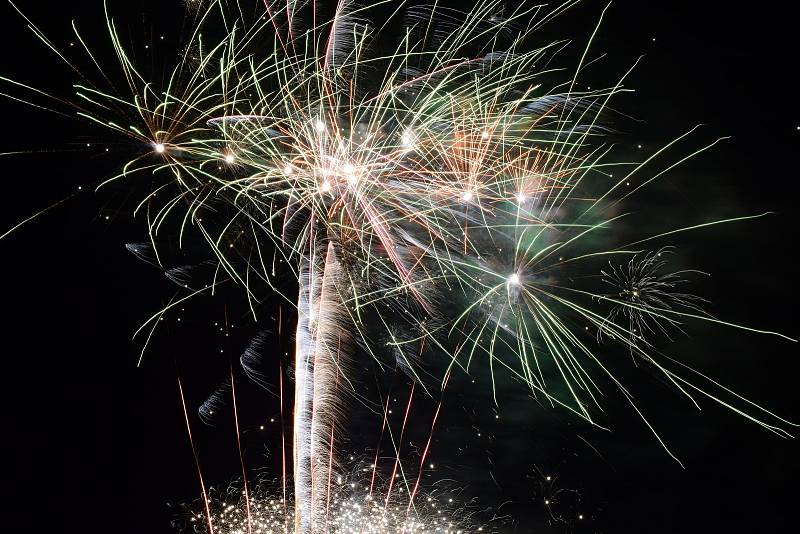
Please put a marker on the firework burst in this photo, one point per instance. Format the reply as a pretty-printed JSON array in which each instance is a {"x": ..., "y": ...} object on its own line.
[
  {"x": 411, "y": 167},
  {"x": 646, "y": 290}
]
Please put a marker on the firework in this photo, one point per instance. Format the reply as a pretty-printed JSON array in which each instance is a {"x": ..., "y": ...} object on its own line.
[
  {"x": 352, "y": 508},
  {"x": 647, "y": 290},
  {"x": 428, "y": 185}
]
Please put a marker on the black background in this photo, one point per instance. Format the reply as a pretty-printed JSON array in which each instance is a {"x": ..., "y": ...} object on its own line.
[{"x": 95, "y": 444}]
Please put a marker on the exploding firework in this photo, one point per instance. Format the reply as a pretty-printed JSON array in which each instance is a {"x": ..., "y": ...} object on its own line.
[
  {"x": 429, "y": 188},
  {"x": 647, "y": 289}
]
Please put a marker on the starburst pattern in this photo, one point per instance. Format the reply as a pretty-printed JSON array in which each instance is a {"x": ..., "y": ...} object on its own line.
[{"x": 644, "y": 290}]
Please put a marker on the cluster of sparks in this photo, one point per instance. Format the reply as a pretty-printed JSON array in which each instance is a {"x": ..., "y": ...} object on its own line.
[
  {"x": 434, "y": 193},
  {"x": 348, "y": 513}
]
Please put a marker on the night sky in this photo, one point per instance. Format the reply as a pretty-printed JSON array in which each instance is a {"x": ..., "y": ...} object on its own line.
[{"x": 94, "y": 443}]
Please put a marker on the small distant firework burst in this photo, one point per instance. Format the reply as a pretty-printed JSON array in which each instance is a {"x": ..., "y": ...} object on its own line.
[
  {"x": 644, "y": 290},
  {"x": 432, "y": 191}
]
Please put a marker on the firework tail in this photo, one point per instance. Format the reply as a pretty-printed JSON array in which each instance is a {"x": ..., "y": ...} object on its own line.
[{"x": 321, "y": 344}]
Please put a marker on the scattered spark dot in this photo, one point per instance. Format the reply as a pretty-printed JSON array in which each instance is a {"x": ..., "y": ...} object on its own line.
[{"x": 407, "y": 139}]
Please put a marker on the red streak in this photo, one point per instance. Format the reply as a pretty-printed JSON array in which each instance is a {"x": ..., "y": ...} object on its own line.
[
  {"x": 378, "y": 449},
  {"x": 196, "y": 459},
  {"x": 427, "y": 448},
  {"x": 283, "y": 437},
  {"x": 399, "y": 446},
  {"x": 241, "y": 456}
]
